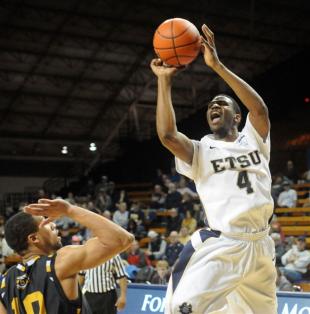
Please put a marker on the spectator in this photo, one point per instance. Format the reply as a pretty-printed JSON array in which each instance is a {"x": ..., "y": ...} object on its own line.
[
  {"x": 162, "y": 274},
  {"x": 174, "y": 221},
  {"x": 70, "y": 198},
  {"x": 174, "y": 198},
  {"x": 158, "y": 197},
  {"x": 107, "y": 214},
  {"x": 135, "y": 256},
  {"x": 102, "y": 185},
  {"x": 288, "y": 197},
  {"x": 282, "y": 283},
  {"x": 189, "y": 222},
  {"x": 121, "y": 216},
  {"x": 92, "y": 207},
  {"x": 173, "y": 249},
  {"x": 122, "y": 198},
  {"x": 186, "y": 204},
  {"x": 174, "y": 175},
  {"x": 290, "y": 172},
  {"x": 166, "y": 182},
  {"x": 184, "y": 235},
  {"x": 306, "y": 175},
  {"x": 279, "y": 247},
  {"x": 199, "y": 214},
  {"x": 112, "y": 193},
  {"x": 183, "y": 188},
  {"x": 132, "y": 227},
  {"x": 76, "y": 240},
  {"x": 157, "y": 246},
  {"x": 296, "y": 261},
  {"x": 103, "y": 200},
  {"x": 277, "y": 187},
  {"x": 136, "y": 213}
]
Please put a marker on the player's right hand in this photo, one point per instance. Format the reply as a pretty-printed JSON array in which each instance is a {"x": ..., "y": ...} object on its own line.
[
  {"x": 162, "y": 70},
  {"x": 52, "y": 209}
]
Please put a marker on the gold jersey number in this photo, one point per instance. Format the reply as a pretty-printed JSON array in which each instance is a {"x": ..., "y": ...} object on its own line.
[{"x": 34, "y": 297}]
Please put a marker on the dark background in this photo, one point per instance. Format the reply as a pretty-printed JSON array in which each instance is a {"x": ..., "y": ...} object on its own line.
[{"x": 70, "y": 72}]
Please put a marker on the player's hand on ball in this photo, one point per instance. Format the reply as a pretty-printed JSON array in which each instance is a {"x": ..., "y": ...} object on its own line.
[
  {"x": 52, "y": 209},
  {"x": 208, "y": 47},
  {"x": 162, "y": 70}
]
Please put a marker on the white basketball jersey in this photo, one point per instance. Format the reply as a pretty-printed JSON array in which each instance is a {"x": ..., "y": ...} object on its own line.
[{"x": 233, "y": 180}]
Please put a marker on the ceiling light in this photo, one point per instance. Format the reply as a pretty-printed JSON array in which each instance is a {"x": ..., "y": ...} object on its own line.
[
  {"x": 64, "y": 150},
  {"x": 92, "y": 147}
]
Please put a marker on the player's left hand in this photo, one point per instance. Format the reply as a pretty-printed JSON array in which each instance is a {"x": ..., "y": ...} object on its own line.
[
  {"x": 120, "y": 303},
  {"x": 208, "y": 47}
]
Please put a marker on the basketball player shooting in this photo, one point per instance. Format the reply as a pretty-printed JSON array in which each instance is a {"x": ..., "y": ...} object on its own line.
[{"x": 228, "y": 266}]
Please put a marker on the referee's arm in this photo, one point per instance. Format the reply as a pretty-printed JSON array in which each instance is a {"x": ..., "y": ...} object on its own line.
[{"x": 121, "y": 275}]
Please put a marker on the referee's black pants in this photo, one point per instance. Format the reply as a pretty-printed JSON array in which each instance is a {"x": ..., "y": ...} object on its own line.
[{"x": 102, "y": 303}]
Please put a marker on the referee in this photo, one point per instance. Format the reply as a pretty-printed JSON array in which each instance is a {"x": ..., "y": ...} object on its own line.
[{"x": 100, "y": 287}]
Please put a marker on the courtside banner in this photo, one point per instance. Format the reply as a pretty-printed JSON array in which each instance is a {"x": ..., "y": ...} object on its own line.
[{"x": 148, "y": 299}]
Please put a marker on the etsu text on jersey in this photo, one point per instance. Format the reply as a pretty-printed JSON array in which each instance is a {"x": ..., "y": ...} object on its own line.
[{"x": 242, "y": 161}]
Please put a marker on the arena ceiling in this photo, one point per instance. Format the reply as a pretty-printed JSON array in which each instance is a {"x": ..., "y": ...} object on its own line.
[{"x": 74, "y": 72}]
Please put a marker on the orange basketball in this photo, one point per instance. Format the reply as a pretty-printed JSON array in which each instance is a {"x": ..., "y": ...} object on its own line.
[{"x": 177, "y": 42}]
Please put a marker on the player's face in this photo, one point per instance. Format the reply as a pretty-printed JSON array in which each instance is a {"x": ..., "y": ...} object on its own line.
[
  {"x": 48, "y": 236},
  {"x": 220, "y": 114}
]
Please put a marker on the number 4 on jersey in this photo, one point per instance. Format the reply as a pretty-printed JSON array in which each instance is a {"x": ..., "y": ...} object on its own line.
[{"x": 244, "y": 182}]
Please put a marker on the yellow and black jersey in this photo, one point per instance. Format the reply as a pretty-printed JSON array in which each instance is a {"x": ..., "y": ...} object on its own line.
[{"x": 33, "y": 288}]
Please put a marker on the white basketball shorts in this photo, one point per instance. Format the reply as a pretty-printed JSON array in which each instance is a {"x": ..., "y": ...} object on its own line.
[{"x": 224, "y": 273}]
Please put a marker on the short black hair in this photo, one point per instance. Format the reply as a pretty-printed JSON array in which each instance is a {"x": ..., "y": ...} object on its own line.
[
  {"x": 17, "y": 229},
  {"x": 234, "y": 103}
]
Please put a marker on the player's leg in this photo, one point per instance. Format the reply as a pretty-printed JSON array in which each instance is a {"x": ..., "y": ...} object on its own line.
[
  {"x": 202, "y": 277},
  {"x": 258, "y": 290}
]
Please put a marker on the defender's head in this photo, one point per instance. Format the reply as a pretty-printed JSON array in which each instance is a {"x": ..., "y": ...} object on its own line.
[
  {"x": 223, "y": 114},
  {"x": 24, "y": 233}
]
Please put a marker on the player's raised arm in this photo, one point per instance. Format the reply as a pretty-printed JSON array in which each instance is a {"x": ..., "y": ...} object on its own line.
[
  {"x": 179, "y": 144},
  {"x": 248, "y": 96},
  {"x": 109, "y": 238}
]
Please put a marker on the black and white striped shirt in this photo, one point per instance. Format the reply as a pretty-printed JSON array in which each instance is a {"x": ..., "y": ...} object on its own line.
[{"x": 103, "y": 277}]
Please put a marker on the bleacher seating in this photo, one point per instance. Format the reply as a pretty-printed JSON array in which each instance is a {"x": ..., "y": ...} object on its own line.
[
  {"x": 303, "y": 193},
  {"x": 143, "y": 197}
]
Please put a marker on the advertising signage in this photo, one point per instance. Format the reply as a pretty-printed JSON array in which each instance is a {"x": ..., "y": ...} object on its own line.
[{"x": 149, "y": 299}]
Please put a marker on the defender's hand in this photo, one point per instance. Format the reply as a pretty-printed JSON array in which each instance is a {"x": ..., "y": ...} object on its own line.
[
  {"x": 208, "y": 47},
  {"x": 52, "y": 209}
]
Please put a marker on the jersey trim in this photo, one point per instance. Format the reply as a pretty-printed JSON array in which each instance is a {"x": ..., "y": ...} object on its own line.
[{"x": 78, "y": 301}]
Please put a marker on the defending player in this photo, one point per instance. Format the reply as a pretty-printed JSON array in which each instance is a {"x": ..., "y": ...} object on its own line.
[
  {"x": 46, "y": 281},
  {"x": 227, "y": 268}
]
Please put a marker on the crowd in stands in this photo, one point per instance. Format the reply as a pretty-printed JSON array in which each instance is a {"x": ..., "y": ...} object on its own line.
[{"x": 164, "y": 224}]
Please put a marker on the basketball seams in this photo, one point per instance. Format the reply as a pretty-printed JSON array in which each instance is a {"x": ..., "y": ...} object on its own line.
[
  {"x": 173, "y": 44},
  {"x": 167, "y": 37},
  {"x": 181, "y": 46}
]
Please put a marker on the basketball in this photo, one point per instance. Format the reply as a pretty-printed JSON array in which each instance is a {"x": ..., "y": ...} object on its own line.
[{"x": 177, "y": 42}]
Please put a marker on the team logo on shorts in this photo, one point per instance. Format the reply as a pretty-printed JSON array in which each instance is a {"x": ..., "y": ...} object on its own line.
[{"x": 185, "y": 308}]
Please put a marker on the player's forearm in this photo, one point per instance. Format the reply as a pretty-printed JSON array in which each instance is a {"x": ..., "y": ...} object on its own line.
[
  {"x": 165, "y": 116},
  {"x": 248, "y": 96},
  {"x": 100, "y": 227}
]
